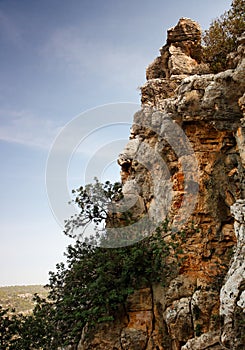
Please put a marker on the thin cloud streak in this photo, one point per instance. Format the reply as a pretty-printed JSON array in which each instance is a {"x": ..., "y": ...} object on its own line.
[
  {"x": 68, "y": 49},
  {"x": 23, "y": 128}
]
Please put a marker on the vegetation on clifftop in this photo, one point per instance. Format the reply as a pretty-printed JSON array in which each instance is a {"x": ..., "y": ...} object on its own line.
[{"x": 222, "y": 36}]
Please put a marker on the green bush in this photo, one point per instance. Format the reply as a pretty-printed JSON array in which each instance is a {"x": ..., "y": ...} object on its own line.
[
  {"x": 222, "y": 36},
  {"x": 93, "y": 286},
  {"x": 96, "y": 282}
]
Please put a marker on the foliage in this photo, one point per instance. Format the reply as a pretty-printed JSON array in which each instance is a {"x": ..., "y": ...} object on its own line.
[
  {"x": 92, "y": 201},
  {"x": 8, "y": 328},
  {"x": 222, "y": 36},
  {"x": 89, "y": 290},
  {"x": 97, "y": 281},
  {"x": 198, "y": 330},
  {"x": 111, "y": 216},
  {"x": 94, "y": 283},
  {"x": 34, "y": 331}
]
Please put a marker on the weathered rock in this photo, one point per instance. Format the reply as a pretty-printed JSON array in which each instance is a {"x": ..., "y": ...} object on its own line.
[
  {"x": 179, "y": 322},
  {"x": 232, "y": 295},
  {"x": 185, "y": 30},
  {"x": 159, "y": 88},
  {"x": 140, "y": 300},
  {"x": 185, "y": 160},
  {"x": 180, "y": 56},
  {"x": 133, "y": 339},
  {"x": 205, "y": 341},
  {"x": 106, "y": 337},
  {"x": 140, "y": 316},
  {"x": 240, "y": 135}
]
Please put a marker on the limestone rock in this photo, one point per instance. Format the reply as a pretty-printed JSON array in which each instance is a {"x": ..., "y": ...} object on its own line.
[
  {"x": 179, "y": 62},
  {"x": 133, "y": 339},
  {"x": 182, "y": 53},
  {"x": 240, "y": 135},
  {"x": 206, "y": 341},
  {"x": 179, "y": 321},
  {"x": 232, "y": 295},
  {"x": 106, "y": 337},
  {"x": 185, "y": 160},
  {"x": 185, "y": 30},
  {"x": 140, "y": 300}
]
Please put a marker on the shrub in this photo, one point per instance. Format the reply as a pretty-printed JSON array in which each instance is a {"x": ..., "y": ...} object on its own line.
[
  {"x": 96, "y": 282},
  {"x": 222, "y": 36},
  {"x": 93, "y": 286}
]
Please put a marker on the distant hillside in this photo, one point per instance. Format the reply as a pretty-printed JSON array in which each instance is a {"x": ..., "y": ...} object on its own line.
[{"x": 20, "y": 298}]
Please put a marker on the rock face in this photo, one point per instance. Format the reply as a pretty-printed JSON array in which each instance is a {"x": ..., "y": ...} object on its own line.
[
  {"x": 232, "y": 295},
  {"x": 182, "y": 53},
  {"x": 186, "y": 157}
]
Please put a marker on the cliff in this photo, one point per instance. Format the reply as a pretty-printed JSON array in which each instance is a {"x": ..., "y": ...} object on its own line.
[{"x": 186, "y": 157}]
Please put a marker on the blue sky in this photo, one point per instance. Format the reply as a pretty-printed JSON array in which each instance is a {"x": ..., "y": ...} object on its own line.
[{"x": 60, "y": 58}]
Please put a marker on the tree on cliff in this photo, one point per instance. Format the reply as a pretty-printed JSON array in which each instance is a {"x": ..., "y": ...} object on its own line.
[
  {"x": 222, "y": 36},
  {"x": 93, "y": 286}
]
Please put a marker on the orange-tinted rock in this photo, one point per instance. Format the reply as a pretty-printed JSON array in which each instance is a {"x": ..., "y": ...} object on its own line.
[{"x": 209, "y": 110}]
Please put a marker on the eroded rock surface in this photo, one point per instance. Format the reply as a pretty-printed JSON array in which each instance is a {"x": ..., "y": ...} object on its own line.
[
  {"x": 190, "y": 120},
  {"x": 232, "y": 295}
]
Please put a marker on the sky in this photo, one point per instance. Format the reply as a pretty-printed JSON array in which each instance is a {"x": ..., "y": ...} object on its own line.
[{"x": 70, "y": 74}]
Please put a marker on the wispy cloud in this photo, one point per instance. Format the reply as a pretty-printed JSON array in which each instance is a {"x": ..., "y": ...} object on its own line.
[
  {"x": 69, "y": 49},
  {"x": 24, "y": 128}
]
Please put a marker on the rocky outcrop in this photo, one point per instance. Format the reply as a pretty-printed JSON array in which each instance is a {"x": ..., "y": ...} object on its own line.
[
  {"x": 182, "y": 53},
  {"x": 180, "y": 57},
  {"x": 232, "y": 295},
  {"x": 185, "y": 160}
]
